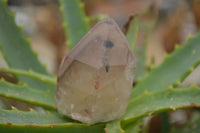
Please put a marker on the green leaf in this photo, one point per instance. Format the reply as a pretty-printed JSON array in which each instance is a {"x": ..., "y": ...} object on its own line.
[
  {"x": 132, "y": 33},
  {"x": 134, "y": 127},
  {"x": 165, "y": 122},
  {"x": 75, "y": 23},
  {"x": 34, "y": 122},
  {"x": 173, "y": 70},
  {"x": 32, "y": 117},
  {"x": 17, "y": 51},
  {"x": 160, "y": 101},
  {"x": 44, "y": 78},
  {"x": 28, "y": 95},
  {"x": 58, "y": 128},
  {"x": 114, "y": 127},
  {"x": 140, "y": 50}
]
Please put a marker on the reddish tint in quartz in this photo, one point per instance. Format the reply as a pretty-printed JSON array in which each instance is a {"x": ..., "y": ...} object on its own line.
[{"x": 95, "y": 78}]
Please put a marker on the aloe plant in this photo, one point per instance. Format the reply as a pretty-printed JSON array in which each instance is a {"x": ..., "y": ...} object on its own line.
[{"x": 153, "y": 94}]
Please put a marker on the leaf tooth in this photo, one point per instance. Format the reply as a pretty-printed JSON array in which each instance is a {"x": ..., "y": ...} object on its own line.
[
  {"x": 152, "y": 67},
  {"x": 170, "y": 87},
  {"x": 146, "y": 92},
  {"x": 48, "y": 91},
  {"x": 14, "y": 108},
  {"x": 177, "y": 83},
  {"x": 139, "y": 79},
  {"x": 149, "y": 114},
  {"x": 191, "y": 69},
  {"x": 21, "y": 27},
  {"x": 195, "y": 86},
  {"x": 61, "y": 8},
  {"x": 102, "y": 16},
  {"x": 25, "y": 85},
  {"x": 36, "y": 54},
  {"x": 13, "y": 14},
  {"x": 51, "y": 125},
  {"x": 6, "y": 1},
  {"x": 69, "y": 124},
  {"x": 190, "y": 36},
  {"x": 29, "y": 39},
  {"x": 82, "y": 5},
  {"x": 44, "y": 65},
  {"x": 2, "y": 79},
  {"x": 176, "y": 46},
  {"x": 64, "y": 25},
  {"x": 166, "y": 55},
  {"x": 68, "y": 43},
  {"x": 173, "y": 108},
  {"x": 30, "y": 70},
  {"x": 31, "y": 109},
  {"x": 87, "y": 19}
]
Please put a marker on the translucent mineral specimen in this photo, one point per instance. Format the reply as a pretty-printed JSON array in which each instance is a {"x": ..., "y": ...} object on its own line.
[{"x": 95, "y": 78}]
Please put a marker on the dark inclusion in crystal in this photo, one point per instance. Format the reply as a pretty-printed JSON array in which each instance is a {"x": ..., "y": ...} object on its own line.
[{"x": 108, "y": 44}]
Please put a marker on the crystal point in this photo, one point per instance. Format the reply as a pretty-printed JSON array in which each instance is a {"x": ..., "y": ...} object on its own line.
[{"x": 95, "y": 78}]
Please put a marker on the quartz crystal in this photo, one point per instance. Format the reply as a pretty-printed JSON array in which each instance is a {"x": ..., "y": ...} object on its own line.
[{"x": 95, "y": 78}]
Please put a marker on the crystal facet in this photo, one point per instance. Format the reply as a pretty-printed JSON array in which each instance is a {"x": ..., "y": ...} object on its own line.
[{"x": 95, "y": 78}]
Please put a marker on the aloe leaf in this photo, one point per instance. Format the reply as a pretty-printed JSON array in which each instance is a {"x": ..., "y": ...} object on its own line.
[
  {"x": 165, "y": 122},
  {"x": 134, "y": 127},
  {"x": 114, "y": 127},
  {"x": 132, "y": 33},
  {"x": 140, "y": 50},
  {"x": 44, "y": 78},
  {"x": 160, "y": 101},
  {"x": 137, "y": 27},
  {"x": 173, "y": 70},
  {"x": 17, "y": 51},
  {"x": 34, "y": 122},
  {"x": 53, "y": 128},
  {"x": 75, "y": 23},
  {"x": 28, "y": 95},
  {"x": 32, "y": 117}
]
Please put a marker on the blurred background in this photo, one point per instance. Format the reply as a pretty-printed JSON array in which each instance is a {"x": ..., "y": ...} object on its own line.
[{"x": 164, "y": 24}]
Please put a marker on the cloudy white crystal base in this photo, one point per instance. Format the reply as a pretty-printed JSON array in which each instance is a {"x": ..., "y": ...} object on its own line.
[{"x": 102, "y": 96}]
